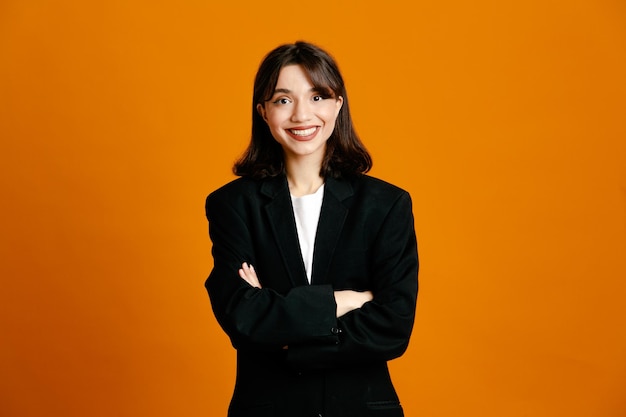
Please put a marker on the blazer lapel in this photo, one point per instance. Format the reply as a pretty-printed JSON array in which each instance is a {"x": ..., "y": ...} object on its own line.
[
  {"x": 332, "y": 218},
  {"x": 280, "y": 214}
]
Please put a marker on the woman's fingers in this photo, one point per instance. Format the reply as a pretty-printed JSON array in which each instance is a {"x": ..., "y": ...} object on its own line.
[{"x": 248, "y": 273}]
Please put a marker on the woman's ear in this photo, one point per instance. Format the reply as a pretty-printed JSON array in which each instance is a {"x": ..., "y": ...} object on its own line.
[
  {"x": 261, "y": 109},
  {"x": 339, "y": 104}
]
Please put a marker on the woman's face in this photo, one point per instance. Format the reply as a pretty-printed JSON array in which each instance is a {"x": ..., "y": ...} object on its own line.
[{"x": 300, "y": 118}]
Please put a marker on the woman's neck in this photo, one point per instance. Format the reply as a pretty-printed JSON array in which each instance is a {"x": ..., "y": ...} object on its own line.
[{"x": 303, "y": 178}]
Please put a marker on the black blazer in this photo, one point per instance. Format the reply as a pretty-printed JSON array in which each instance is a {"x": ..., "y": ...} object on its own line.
[{"x": 331, "y": 367}]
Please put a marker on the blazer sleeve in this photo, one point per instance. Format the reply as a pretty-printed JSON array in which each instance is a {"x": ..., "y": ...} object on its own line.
[
  {"x": 380, "y": 330},
  {"x": 253, "y": 318}
]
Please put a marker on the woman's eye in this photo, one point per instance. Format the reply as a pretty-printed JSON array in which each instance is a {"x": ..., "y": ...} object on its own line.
[
  {"x": 282, "y": 101},
  {"x": 318, "y": 98}
]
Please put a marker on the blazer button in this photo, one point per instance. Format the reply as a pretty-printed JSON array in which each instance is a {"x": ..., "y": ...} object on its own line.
[{"x": 335, "y": 330}]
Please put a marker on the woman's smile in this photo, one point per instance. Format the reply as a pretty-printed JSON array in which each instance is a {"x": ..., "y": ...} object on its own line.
[{"x": 303, "y": 133}]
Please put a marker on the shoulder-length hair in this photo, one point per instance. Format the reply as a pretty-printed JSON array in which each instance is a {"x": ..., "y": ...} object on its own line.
[{"x": 345, "y": 153}]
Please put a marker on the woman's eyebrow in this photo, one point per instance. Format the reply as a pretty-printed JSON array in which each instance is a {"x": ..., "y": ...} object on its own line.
[{"x": 288, "y": 91}]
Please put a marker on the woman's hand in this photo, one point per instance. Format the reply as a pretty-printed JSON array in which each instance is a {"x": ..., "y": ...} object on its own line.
[
  {"x": 248, "y": 273},
  {"x": 348, "y": 300}
]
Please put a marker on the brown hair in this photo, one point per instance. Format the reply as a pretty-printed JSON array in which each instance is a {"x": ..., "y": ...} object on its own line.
[{"x": 345, "y": 153}]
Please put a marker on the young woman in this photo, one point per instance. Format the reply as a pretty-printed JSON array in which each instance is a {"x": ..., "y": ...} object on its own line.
[{"x": 315, "y": 263}]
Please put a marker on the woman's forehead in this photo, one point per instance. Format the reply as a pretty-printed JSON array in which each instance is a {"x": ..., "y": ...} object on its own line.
[{"x": 297, "y": 72}]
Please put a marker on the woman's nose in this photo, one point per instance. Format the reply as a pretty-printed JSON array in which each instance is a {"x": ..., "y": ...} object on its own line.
[{"x": 301, "y": 111}]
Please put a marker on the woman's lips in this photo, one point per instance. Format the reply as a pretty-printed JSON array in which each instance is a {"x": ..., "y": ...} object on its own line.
[{"x": 303, "y": 133}]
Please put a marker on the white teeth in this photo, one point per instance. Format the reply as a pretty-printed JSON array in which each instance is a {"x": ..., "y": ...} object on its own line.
[{"x": 303, "y": 132}]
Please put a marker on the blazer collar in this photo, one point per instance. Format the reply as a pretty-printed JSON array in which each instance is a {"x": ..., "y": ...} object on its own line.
[
  {"x": 273, "y": 187},
  {"x": 332, "y": 217}
]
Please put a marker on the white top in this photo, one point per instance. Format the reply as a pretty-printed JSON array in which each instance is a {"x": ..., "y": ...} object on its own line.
[{"x": 306, "y": 210}]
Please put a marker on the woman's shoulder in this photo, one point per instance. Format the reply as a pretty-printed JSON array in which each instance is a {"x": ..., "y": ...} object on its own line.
[
  {"x": 231, "y": 196},
  {"x": 247, "y": 188},
  {"x": 235, "y": 186},
  {"x": 377, "y": 188},
  {"x": 375, "y": 197}
]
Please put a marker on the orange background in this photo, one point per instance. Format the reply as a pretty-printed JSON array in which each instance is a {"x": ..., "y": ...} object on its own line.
[{"x": 505, "y": 121}]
